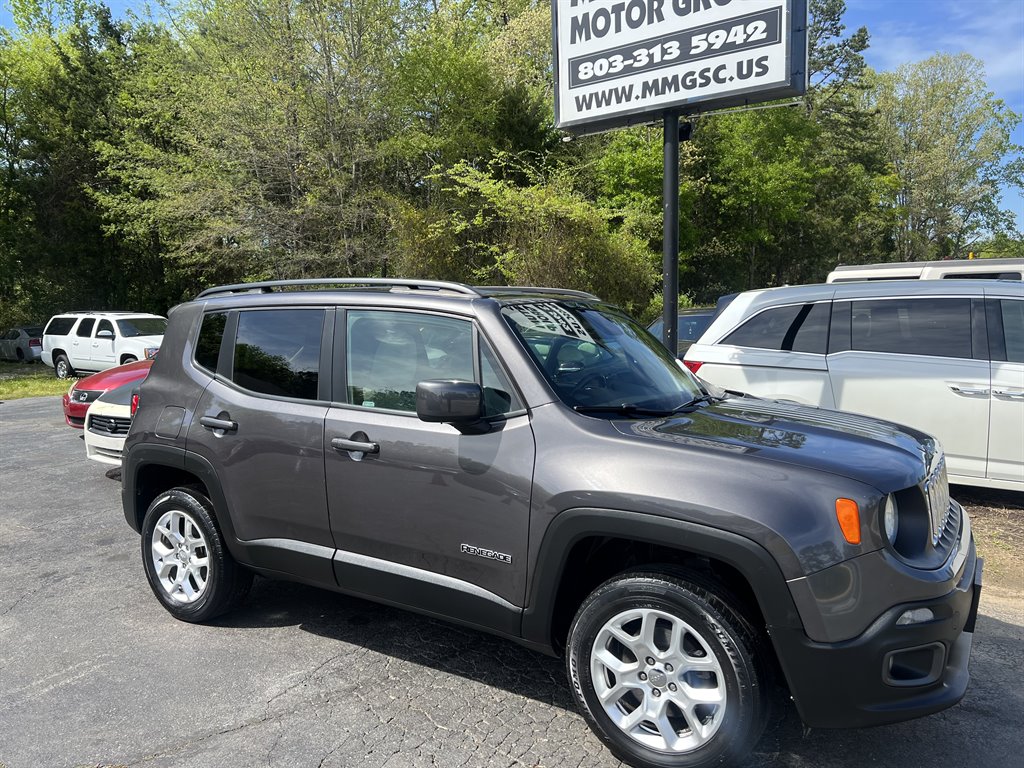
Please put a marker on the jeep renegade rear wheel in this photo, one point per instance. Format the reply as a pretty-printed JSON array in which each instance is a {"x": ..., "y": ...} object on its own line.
[
  {"x": 188, "y": 566},
  {"x": 667, "y": 672}
]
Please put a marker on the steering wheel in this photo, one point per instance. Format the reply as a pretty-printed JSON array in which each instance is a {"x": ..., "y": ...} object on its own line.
[{"x": 590, "y": 379}]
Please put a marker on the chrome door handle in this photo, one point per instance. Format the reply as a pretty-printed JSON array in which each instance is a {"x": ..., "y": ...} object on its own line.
[
  {"x": 962, "y": 390},
  {"x": 1015, "y": 394},
  {"x": 342, "y": 444},
  {"x": 223, "y": 424}
]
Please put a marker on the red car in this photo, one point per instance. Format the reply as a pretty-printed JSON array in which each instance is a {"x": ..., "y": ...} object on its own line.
[{"x": 84, "y": 391}]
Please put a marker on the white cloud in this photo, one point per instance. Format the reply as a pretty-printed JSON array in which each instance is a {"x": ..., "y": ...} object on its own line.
[{"x": 909, "y": 31}]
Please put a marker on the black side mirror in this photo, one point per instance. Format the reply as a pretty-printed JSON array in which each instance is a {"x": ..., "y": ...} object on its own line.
[{"x": 450, "y": 401}]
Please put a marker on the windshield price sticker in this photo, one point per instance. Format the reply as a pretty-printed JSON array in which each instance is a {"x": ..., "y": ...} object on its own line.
[
  {"x": 548, "y": 317},
  {"x": 622, "y": 62},
  {"x": 744, "y": 33}
]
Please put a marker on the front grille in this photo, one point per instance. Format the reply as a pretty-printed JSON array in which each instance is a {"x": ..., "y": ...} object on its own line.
[
  {"x": 947, "y": 537},
  {"x": 109, "y": 425},
  {"x": 945, "y": 517},
  {"x": 85, "y": 395},
  {"x": 936, "y": 490}
]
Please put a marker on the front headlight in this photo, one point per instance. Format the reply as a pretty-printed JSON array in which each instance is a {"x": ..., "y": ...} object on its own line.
[
  {"x": 151, "y": 352},
  {"x": 891, "y": 518}
]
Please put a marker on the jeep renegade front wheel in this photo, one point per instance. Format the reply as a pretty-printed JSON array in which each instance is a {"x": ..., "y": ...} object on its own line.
[
  {"x": 187, "y": 564},
  {"x": 667, "y": 672}
]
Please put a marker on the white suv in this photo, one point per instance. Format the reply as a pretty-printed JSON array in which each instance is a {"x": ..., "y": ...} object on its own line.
[
  {"x": 95, "y": 341},
  {"x": 946, "y": 357}
]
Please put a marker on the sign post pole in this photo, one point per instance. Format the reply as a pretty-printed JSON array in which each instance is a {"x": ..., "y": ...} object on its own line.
[{"x": 670, "y": 237}]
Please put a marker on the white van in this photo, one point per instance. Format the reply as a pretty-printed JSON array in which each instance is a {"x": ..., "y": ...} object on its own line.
[
  {"x": 944, "y": 357},
  {"x": 953, "y": 269}
]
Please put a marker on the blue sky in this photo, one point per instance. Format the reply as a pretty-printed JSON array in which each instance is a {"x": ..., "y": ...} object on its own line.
[
  {"x": 991, "y": 30},
  {"x": 904, "y": 31}
]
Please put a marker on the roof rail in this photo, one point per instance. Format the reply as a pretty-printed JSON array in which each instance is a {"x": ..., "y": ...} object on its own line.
[
  {"x": 269, "y": 286},
  {"x": 495, "y": 289}
]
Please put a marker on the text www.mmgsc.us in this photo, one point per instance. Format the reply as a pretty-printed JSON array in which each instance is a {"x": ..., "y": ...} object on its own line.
[{"x": 656, "y": 87}]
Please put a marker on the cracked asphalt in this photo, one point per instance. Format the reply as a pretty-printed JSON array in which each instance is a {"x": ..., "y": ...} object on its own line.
[{"x": 93, "y": 672}]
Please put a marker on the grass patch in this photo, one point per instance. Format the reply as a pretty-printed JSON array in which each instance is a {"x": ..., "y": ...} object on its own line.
[{"x": 19, "y": 380}]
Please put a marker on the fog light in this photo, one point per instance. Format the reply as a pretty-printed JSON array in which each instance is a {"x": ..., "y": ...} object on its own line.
[{"x": 915, "y": 616}]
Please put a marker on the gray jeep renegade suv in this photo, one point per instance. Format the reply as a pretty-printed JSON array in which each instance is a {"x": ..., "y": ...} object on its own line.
[{"x": 533, "y": 463}]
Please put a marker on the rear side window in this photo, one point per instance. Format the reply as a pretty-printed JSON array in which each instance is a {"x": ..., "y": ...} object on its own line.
[
  {"x": 277, "y": 352},
  {"x": 797, "y": 328},
  {"x": 60, "y": 326},
  {"x": 85, "y": 327},
  {"x": 982, "y": 276},
  {"x": 1013, "y": 329},
  {"x": 208, "y": 343},
  {"x": 933, "y": 327}
]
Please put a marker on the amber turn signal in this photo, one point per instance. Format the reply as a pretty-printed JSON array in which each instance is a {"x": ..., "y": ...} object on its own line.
[{"x": 848, "y": 516}]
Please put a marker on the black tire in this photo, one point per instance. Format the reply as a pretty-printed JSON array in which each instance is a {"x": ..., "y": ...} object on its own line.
[
  {"x": 707, "y": 623},
  {"x": 19, "y": 355},
  {"x": 129, "y": 359},
  {"x": 216, "y": 588},
  {"x": 62, "y": 367}
]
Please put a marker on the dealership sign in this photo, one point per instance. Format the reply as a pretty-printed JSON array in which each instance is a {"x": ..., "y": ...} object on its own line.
[{"x": 622, "y": 62}]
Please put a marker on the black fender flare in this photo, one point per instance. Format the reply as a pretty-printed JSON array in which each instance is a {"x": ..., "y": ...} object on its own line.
[
  {"x": 174, "y": 457},
  {"x": 748, "y": 557}
]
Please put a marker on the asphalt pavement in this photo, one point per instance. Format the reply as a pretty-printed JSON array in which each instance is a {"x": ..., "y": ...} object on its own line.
[{"x": 93, "y": 672}]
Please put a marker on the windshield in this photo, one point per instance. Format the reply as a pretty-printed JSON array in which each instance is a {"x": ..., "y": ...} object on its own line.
[
  {"x": 142, "y": 326},
  {"x": 598, "y": 358}
]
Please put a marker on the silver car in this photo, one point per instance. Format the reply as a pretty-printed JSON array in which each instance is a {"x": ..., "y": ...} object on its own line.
[{"x": 24, "y": 344}]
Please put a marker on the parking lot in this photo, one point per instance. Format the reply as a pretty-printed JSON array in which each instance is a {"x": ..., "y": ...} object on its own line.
[{"x": 93, "y": 672}]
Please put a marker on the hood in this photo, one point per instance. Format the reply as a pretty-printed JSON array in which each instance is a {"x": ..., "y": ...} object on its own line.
[
  {"x": 116, "y": 377},
  {"x": 878, "y": 453},
  {"x": 121, "y": 395}
]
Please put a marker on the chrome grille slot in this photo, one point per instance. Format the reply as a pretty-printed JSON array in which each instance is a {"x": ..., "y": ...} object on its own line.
[
  {"x": 109, "y": 425},
  {"x": 936, "y": 489}
]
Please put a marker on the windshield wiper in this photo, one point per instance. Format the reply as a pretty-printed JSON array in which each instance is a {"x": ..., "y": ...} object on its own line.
[
  {"x": 625, "y": 409},
  {"x": 705, "y": 398}
]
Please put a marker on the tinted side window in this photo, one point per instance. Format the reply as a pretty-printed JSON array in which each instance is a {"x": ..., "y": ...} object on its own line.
[
  {"x": 105, "y": 325},
  {"x": 1013, "y": 329},
  {"x": 390, "y": 352},
  {"x": 765, "y": 330},
  {"x": 811, "y": 335},
  {"x": 60, "y": 326},
  {"x": 277, "y": 351},
  {"x": 982, "y": 276},
  {"x": 498, "y": 395},
  {"x": 799, "y": 327},
  {"x": 935, "y": 327},
  {"x": 208, "y": 343},
  {"x": 85, "y": 327}
]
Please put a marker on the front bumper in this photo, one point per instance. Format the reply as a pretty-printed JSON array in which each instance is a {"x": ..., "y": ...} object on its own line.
[
  {"x": 74, "y": 413},
  {"x": 890, "y": 672}
]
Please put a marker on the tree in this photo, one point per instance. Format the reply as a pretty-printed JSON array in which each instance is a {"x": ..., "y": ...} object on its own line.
[{"x": 947, "y": 138}]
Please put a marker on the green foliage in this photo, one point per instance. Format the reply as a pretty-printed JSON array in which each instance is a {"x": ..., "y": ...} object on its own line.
[
  {"x": 488, "y": 229},
  {"x": 947, "y": 139},
  {"x": 143, "y": 160}
]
